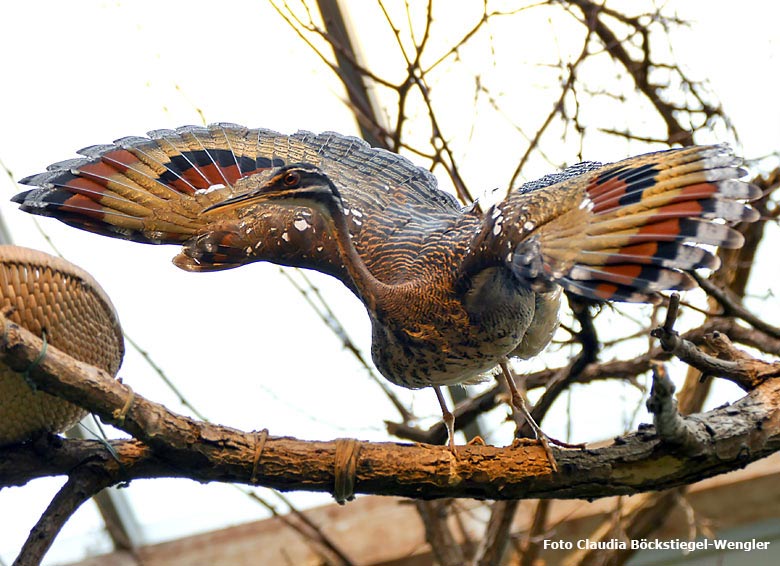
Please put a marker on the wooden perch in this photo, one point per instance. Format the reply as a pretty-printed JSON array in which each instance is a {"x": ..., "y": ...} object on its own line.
[{"x": 173, "y": 445}]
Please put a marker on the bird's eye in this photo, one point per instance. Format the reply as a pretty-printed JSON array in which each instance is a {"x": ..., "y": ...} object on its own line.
[{"x": 291, "y": 179}]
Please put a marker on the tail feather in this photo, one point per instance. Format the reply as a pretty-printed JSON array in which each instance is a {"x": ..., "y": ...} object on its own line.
[
  {"x": 94, "y": 180},
  {"x": 649, "y": 278},
  {"x": 604, "y": 291}
]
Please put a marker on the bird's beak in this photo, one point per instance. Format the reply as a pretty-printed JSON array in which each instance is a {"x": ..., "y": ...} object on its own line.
[{"x": 248, "y": 198}]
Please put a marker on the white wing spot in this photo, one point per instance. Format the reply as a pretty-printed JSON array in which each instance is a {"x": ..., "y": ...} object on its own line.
[
  {"x": 285, "y": 236},
  {"x": 210, "y": 189},
  {"x": 528, "y": 226},
  {"x": 356, "y": 212},
  {"x": 586, "y": 204},
  {"x": 301, "y": 224}
]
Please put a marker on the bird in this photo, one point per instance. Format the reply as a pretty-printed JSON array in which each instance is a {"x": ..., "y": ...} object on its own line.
[
  {"x": 64, "y": 305},
  {"x": 451, "y": 292}
]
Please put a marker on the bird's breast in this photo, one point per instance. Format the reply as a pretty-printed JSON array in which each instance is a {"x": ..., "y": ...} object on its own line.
[{"x": 430, "y": 337}]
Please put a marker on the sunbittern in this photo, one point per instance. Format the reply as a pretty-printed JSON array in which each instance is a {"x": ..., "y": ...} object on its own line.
[
  {"x": 450, "y": 292},
  {"x": 55, "y": 300}
]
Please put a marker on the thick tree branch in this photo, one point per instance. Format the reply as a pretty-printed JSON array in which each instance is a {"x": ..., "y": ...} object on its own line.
[
  {"x": 469, "y": 410},
  {"x": 182, "y": 447}
]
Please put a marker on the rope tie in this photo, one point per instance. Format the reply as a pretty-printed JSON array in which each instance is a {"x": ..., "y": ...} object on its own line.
[
  {"x": 120, "y": 414},
  {"x": 36, "y": 362},
  {"x": 260, "y": 439},
  {"x": 345, "y": 476}
]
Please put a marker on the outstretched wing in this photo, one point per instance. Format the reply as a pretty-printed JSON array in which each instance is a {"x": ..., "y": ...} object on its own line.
[
  {"x": 623, "y": 231},
  {"x": 153, "y": 189}
]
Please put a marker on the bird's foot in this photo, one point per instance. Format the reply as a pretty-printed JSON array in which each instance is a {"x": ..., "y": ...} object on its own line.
[
  {"x": 518, "y": 402},
  {"x": 449, "y": 420},
  {"x": 569, "y": 445}
]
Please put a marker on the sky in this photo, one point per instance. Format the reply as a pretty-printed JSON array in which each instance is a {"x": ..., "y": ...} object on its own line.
[{"x": 242, "y": 344}]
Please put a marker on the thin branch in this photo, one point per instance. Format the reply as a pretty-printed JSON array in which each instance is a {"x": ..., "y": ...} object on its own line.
[
  {"x": 349, "y": 72},
  {"x": 556, "y": 109},
  {"x": 438, "y": 533},
  {"x": 638, "y": 69},
  {"x": 496, "y": 539},
  {"x": 732, "y": 306},
  {"x": 748, "y": 373},
  {"x": 530, "y": 548},
  {"x": 311, "y": 533},
  {"x": 82, "y": 484}
]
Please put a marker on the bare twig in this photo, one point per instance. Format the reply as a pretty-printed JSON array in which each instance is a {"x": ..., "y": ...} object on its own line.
[
  {"x": 82, "y": 484},
  {"x": 747, "y": 373},
  {"x": 311, "y": 533},
  {"x": 438, "y": 534},
  {"x": 531, "y": 546},
  {"x": 495, "y": 541},
  {"x": 733, "y": 306}
]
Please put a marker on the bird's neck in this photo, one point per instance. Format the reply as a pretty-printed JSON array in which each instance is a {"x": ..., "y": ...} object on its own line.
[{"x": 371, "y": 290}]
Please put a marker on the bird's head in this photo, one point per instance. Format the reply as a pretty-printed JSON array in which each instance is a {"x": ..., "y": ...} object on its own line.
[{"x": 299, "y": 184}]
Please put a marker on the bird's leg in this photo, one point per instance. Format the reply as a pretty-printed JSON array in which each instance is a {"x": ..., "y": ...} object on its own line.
[
  {"x": 518, "y": 402},
  {"x": 448, "y": 418}
]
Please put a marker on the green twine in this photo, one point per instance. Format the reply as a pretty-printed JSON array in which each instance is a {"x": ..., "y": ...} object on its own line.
[{"x": 36, "y": 361}]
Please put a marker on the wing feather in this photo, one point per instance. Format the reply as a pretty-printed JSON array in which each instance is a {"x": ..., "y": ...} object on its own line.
[
  {"x": 152, "y": 190},
  {"x": 627, "y": 230}
]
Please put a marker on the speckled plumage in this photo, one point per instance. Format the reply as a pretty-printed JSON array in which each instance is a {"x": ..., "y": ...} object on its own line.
[{"x": 457, "y": 291}]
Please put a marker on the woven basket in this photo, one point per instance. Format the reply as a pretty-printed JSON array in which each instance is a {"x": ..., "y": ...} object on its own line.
[{"x": 47, "y": 294}]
